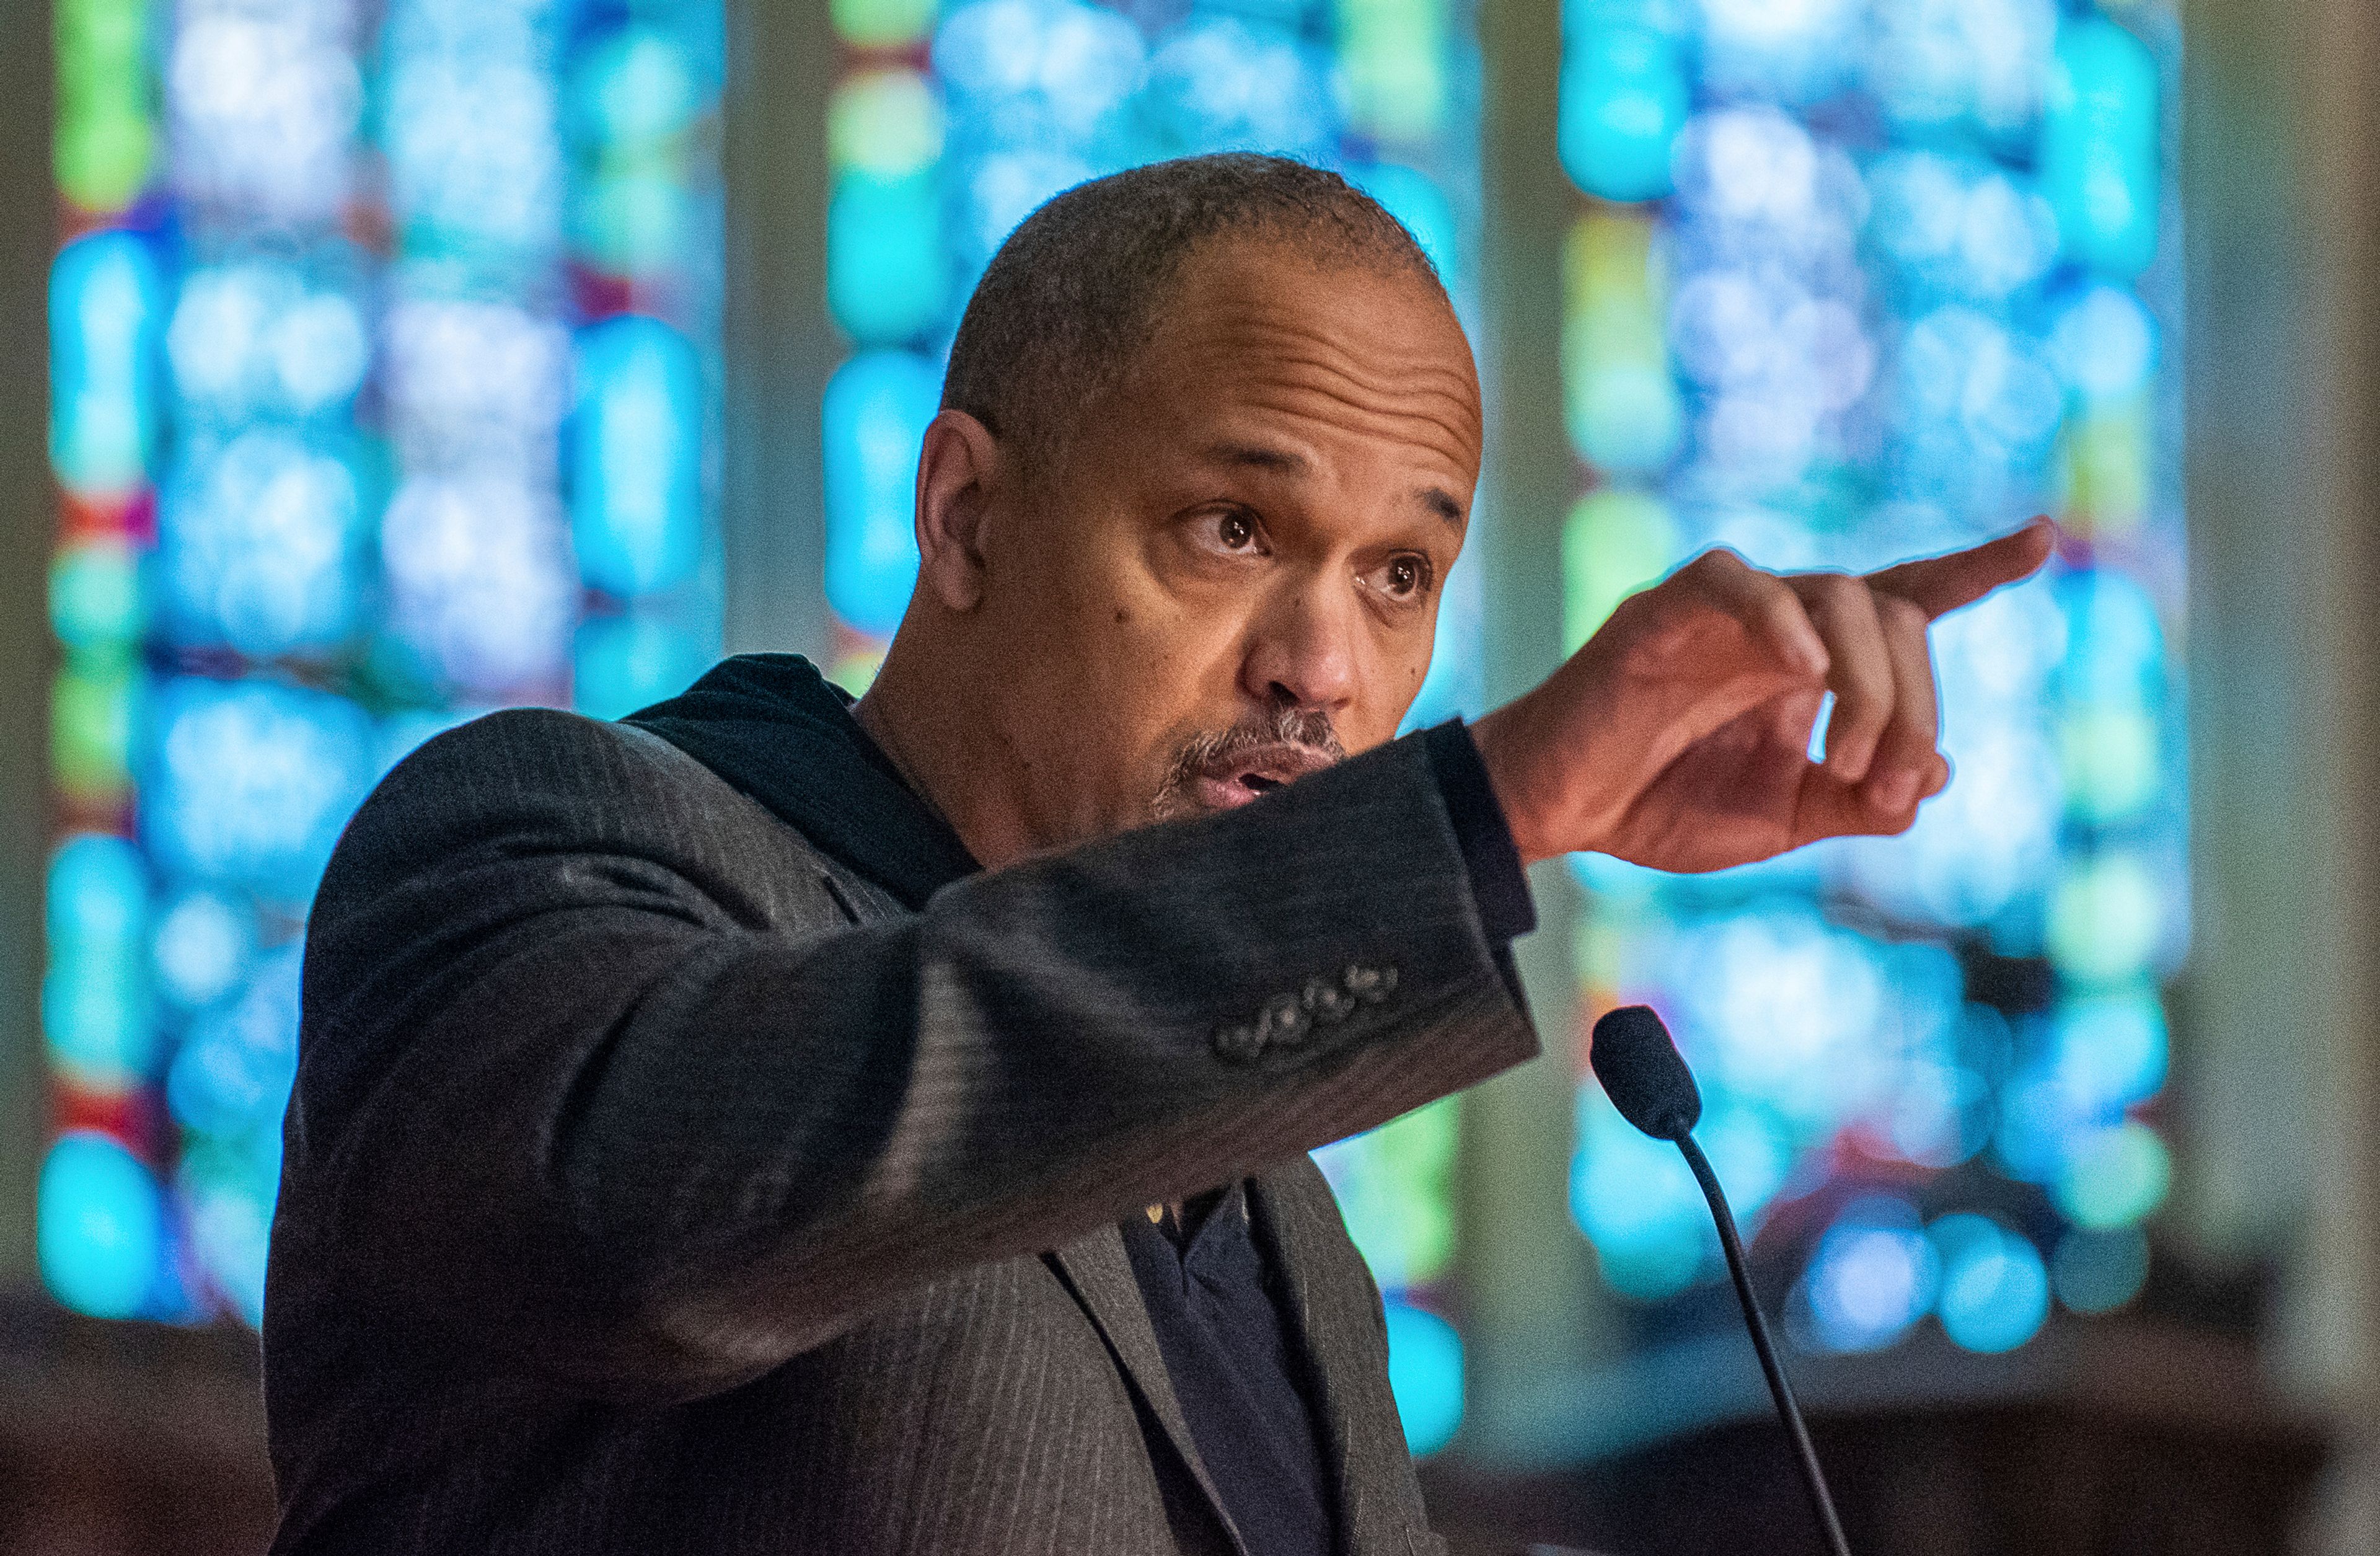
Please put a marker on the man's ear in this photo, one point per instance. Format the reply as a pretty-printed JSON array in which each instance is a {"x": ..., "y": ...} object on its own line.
[{"x": 958, "y": 469}]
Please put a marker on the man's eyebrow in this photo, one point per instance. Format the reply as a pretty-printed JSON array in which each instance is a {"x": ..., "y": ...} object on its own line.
[
  {"x": 1288, "y": 461},
  {"x": 1437, "y": 501}
]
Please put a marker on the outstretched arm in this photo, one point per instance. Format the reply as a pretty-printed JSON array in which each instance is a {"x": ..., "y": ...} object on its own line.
[{"x": 571, "y": 1096}]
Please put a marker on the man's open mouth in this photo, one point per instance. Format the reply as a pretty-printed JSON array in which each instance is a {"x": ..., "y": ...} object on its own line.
[{"x": 1238, "y": 777}]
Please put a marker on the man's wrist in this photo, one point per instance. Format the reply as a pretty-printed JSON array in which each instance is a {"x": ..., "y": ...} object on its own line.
[{"x": 1498, "y": 739}]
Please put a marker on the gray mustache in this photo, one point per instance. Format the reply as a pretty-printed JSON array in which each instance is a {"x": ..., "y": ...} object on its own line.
[
  {"x": 1303, "y": 728},
  {"x": 1287, "y": 727}
]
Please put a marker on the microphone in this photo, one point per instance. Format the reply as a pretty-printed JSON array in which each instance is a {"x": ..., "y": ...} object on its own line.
[{"x": 1647, "y": 1080}]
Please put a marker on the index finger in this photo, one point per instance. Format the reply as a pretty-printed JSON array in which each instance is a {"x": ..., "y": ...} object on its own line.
[{"x": 1939, "y": 585}]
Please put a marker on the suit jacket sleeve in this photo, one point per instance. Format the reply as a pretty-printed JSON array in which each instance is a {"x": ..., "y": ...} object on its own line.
[{"x": 566, "y": 1097}]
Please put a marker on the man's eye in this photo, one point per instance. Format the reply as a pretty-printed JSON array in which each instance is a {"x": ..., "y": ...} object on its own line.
[
  {"x": 1235, "y": 531},
  {"x": 1404, "y": 578}
]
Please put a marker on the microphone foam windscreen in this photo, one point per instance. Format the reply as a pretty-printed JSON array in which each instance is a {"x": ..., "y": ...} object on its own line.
[{"x": 1643, "y": 1075}]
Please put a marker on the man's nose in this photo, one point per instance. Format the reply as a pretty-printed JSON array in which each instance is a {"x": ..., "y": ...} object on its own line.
[{"x": 1305, "y": 651}]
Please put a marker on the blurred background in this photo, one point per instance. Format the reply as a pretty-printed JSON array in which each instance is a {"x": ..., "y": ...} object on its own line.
[{"x": 381, "y": 362}]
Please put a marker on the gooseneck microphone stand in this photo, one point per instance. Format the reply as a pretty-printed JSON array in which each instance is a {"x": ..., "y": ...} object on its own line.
[{"x": 1648, "y": 1082}]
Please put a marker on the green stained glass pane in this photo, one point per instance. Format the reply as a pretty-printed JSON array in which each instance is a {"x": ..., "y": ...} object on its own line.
[
  {"x": 105, "y": 137},
  {"x": 1393, "y": 1187},
  {"x": 2118, "y": 1177},
  {"x": 887, "y": 123},
  {"x": 1392, "y": 60},
  {"x": 90, "y": 733},
  {"x": 1614, "y": 543},
  {"x": 2113, "y": 765},
  {"x": 2106, "y": 918},
  {"x": 103, "y": 162},
  {"x": 633, "y": 222},
  {"x": 882, "y": 24}
]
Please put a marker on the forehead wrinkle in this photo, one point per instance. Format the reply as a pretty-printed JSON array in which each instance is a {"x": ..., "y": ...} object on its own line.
[
  {"x": 1237, "y": 327},
  {"x": 1449, "y": 404},
  {"x": 1395, "y": 422},
  {"x": 1329, "y": 350}
]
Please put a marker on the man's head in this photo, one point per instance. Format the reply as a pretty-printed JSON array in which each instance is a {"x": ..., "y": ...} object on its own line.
[{"x": 1207, "y": 451}]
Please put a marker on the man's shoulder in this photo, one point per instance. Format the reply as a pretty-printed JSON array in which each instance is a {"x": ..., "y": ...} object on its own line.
[
  {"x": 546, "y": 779},
  {"x": 540, "y": 756}
]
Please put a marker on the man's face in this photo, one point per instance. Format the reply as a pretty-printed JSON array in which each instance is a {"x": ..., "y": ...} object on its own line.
[{"x": 1233, "y": 575}]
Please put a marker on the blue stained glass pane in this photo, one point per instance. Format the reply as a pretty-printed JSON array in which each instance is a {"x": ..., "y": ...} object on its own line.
[
  {"x": 1942, "y": 65},
  {"x": 258, "y": 544},
  {"x": 876, "y": 408},
  {"x": 2105, "y": 343},
  {"x": 203, "y": 948},
  {"x": 635, "y": 89},
  {"x": 1039, "y": 70},
  {"x": 103, "y": 316},
  {"x": 96, "y": 596},
  {"x": 1623, "y": 101},
  {"x": 627, "y": 663},
  {"x": 233, "y": 1073},
  {"x": 102, "y": 1226},
  {"x": 96, "y": 1016},
  {"x": 1894, "y": 268},
  {"x": 1795, "y": 53},
  {"x": 97, "y": 897},
  {"x": 97, "y": 1021},
  {"x": 277, "y": 157},
  {"x": 364, "y": 369},
  {"x": 471, "y": 126},
  {"x": 1424, "y": 1375},
  {"x": 479, "y": 581},
  {"x": 2099, "y": 146},
  {"x": 637, "y": 497},
  {"x": 1995, "y": 1287},
  {"x": 1410, "y": 196},
  {"x": 262, "y": 338},
  {"x": 251, "y": 781},
  {"x": 231, "y": 1229},
  {"x": 1873, "y": 1275},
  {"x": 2114, "y": 643},
  {"x": 227, "y": 1185},
  {"x": 887, "y": 279},
  {"x": 1220, "y": 83}
]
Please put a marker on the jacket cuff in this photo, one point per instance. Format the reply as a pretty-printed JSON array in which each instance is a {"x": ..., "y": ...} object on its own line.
[{"x": 1499, "y": 886}]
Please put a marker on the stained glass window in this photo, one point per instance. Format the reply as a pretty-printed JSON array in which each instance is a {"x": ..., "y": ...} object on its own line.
[
  {"x": 1849, "y": 283},
  {"x": 382, "y": 366},
  {"x": 946, "y": 127}
]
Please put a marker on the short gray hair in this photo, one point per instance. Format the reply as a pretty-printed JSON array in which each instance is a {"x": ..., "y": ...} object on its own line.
[{"x": 1074, "y": 291}]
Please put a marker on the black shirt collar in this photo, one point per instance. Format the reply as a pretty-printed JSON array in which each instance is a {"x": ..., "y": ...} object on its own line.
[{"x": 777, "y": 730}]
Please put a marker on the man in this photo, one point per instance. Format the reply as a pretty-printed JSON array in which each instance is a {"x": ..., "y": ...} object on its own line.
[{"x": 768, "y": 1125}]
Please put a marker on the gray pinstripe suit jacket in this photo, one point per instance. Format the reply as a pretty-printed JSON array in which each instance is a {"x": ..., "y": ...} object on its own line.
[{"x": 658, "y": 1180}]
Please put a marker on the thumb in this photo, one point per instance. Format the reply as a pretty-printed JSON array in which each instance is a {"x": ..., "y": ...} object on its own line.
[{"x": 1939, "y": 585}]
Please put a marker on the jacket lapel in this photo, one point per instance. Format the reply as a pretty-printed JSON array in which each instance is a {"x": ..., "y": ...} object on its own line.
[
  {"x": 1099, "y": 1273},
  {"x": 1330, "y": 1303}
]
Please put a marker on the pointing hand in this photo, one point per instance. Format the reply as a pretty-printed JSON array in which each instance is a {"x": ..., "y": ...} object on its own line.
[{"x": 1679, "y": 737}]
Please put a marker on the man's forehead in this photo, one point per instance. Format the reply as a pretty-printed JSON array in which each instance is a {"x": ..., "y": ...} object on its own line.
[{"x": 1249, "y": 336}]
